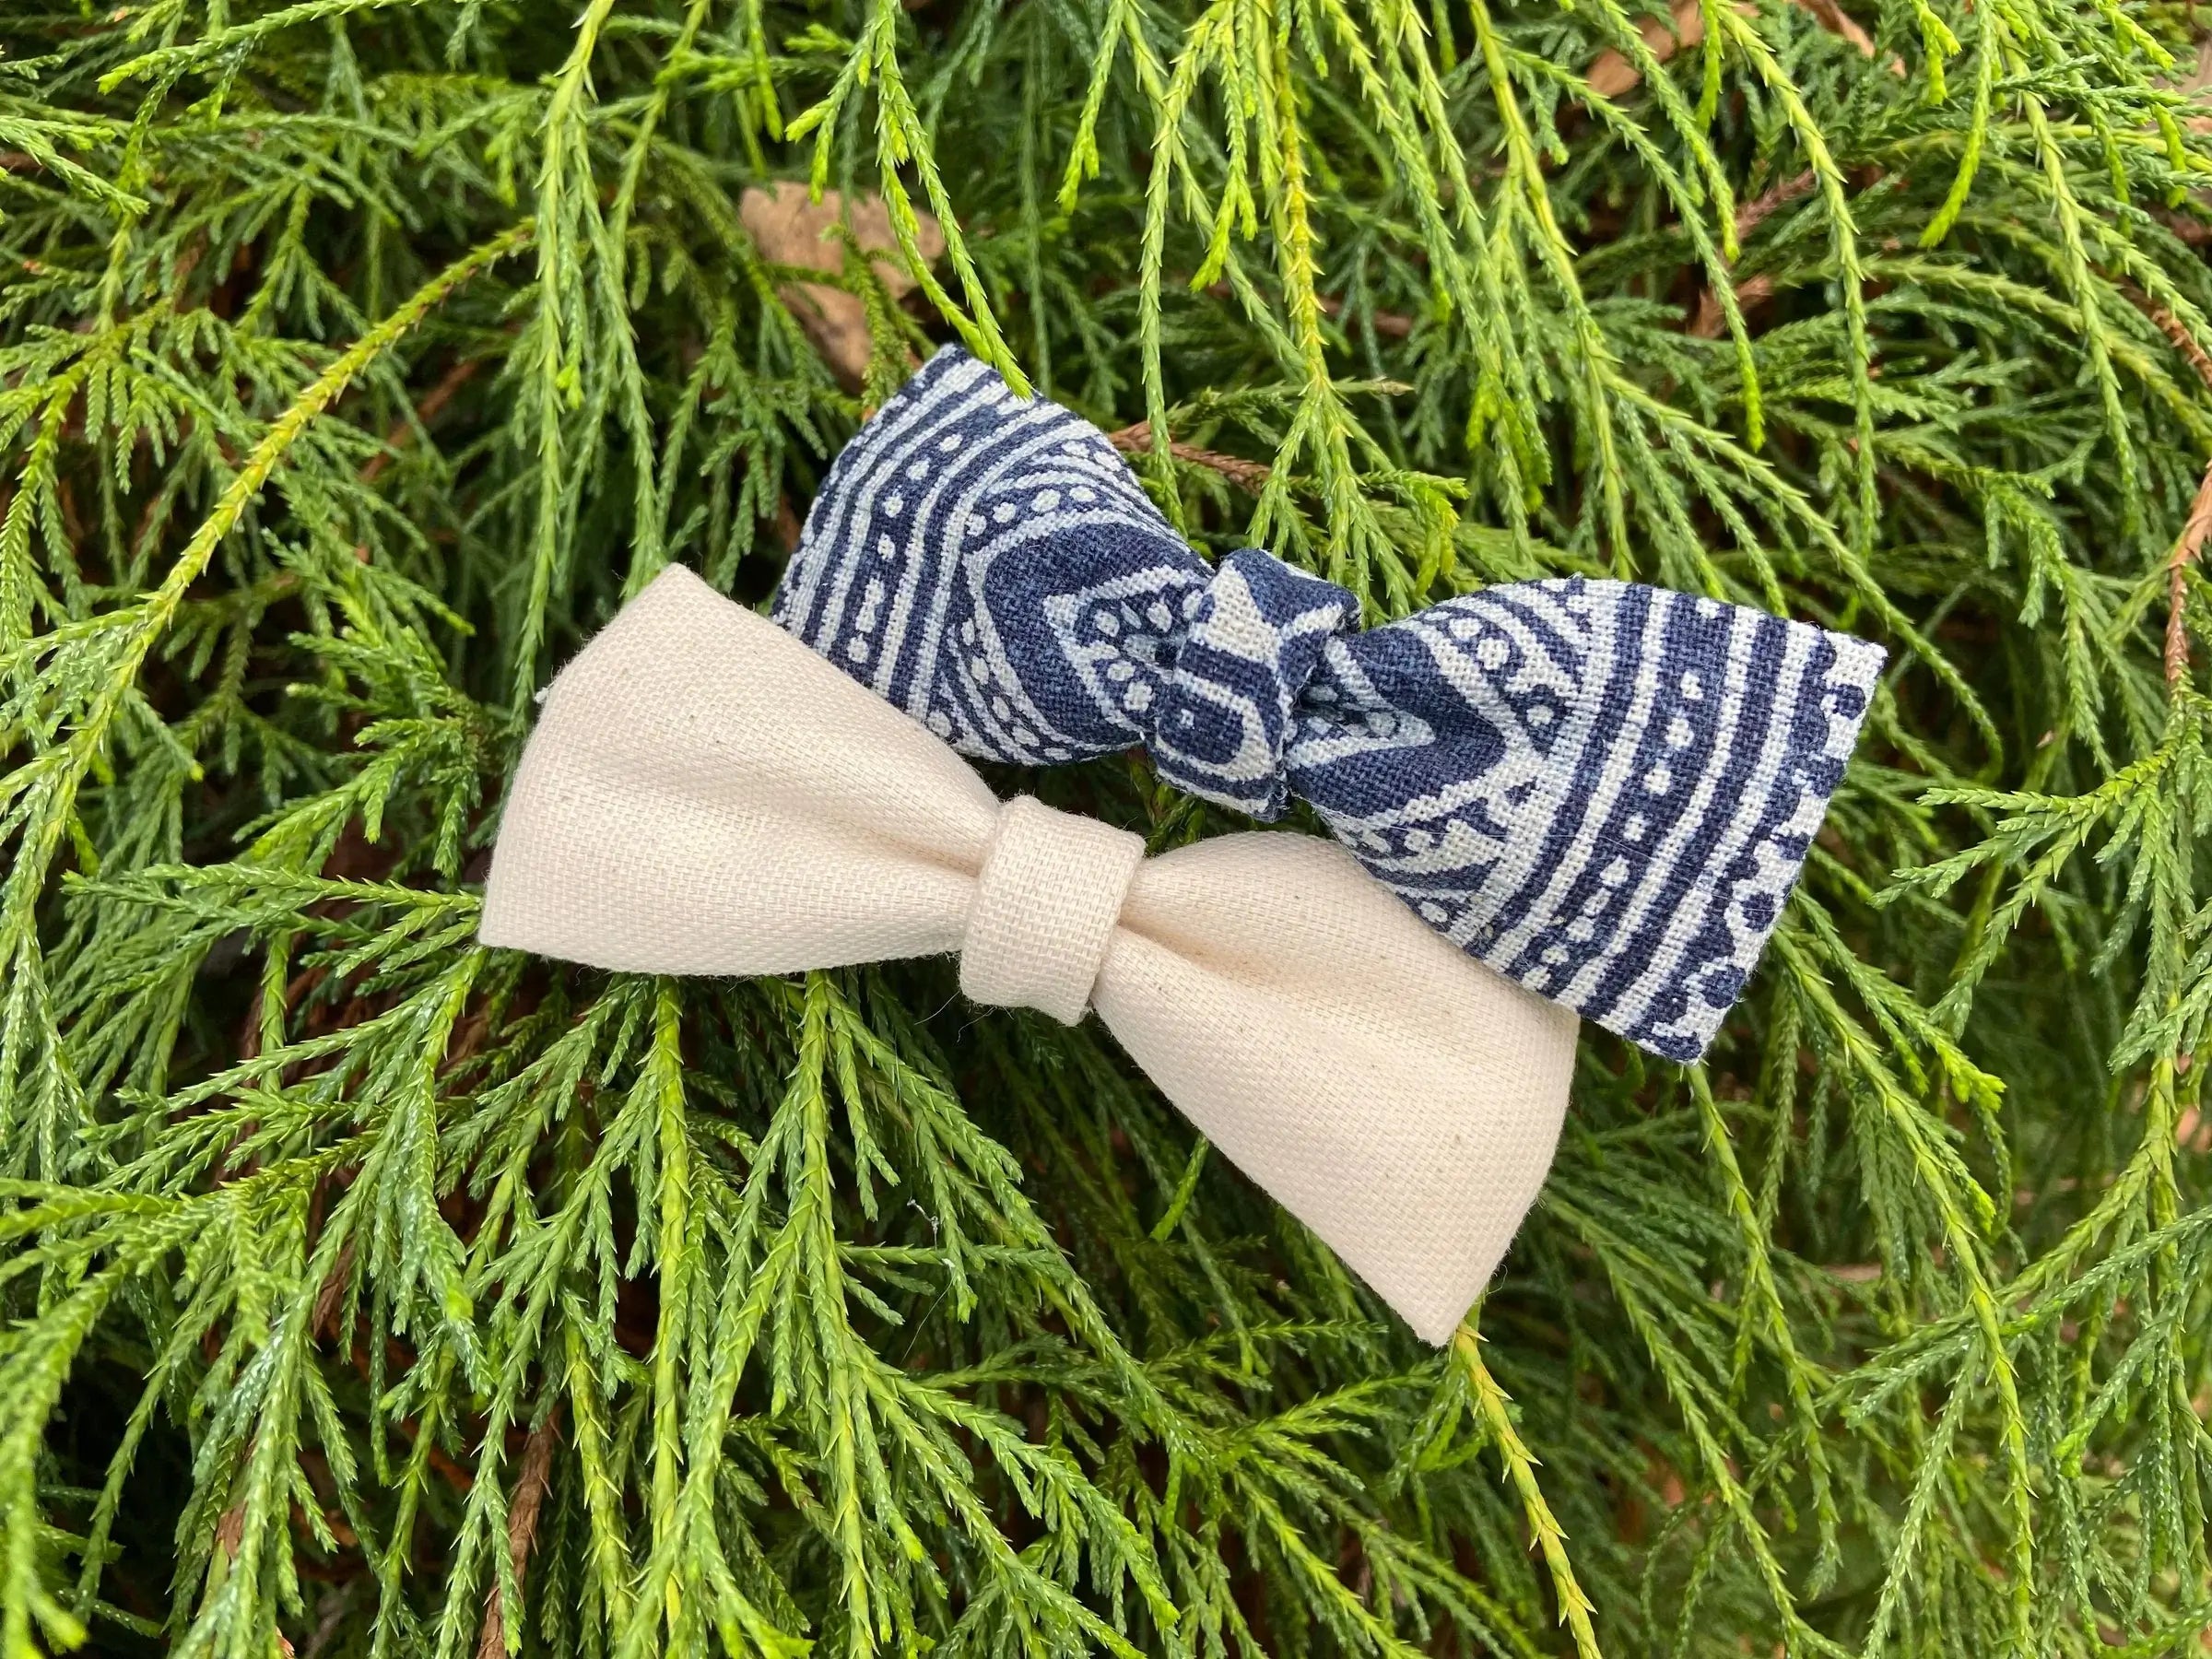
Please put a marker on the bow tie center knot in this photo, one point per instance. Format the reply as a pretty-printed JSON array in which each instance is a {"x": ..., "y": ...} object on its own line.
[
  {"x": 1226, "y": 714},
  {"x": 1045, "y": 903}
]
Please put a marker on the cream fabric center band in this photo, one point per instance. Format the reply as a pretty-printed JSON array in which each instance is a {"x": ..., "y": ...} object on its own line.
[{"x": 1046, "y": 900}]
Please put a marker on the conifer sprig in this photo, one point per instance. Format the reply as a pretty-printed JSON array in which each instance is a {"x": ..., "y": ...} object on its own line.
[{"x": 368, "y": 1292}]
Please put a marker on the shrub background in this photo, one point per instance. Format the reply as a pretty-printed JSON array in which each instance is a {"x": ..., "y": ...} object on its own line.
[{"x": 371, "y": 1293}]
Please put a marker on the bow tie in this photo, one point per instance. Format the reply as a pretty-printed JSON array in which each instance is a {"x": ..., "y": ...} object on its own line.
[
  {"x": 1604, "y": 790},
  {"x": 702, "y": 794}
]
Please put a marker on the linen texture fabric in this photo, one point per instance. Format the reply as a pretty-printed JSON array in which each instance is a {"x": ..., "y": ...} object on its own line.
[
  {"x": 704, "y": 796},
  {"x": 1604, "y": 790}
]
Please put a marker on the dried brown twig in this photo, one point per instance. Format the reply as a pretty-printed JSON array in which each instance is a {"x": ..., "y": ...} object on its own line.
[
  {"x": 434, "y": 400},
  {"x": 1710, "y": 318},
  {"x": 2187, "y": 547},
  {"x": 521, "y": 1530},
  {"x": 1246, "y": 474},
  {"x": 1393, "y": 326},
  {"x": 2176, "y": 332}
]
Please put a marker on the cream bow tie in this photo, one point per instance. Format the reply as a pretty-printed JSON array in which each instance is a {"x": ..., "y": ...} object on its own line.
[{"x": 704, "y": 794}]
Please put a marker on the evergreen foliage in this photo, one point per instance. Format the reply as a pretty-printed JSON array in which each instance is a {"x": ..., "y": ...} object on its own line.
[{"x": 371, "y": 1293}]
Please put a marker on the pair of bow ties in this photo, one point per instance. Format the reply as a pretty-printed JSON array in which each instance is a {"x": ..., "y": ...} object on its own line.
[{"x": 1587, "y": 797}]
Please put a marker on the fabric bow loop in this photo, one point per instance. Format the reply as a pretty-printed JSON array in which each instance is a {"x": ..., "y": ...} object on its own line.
[{"x": 704, "y": 796}]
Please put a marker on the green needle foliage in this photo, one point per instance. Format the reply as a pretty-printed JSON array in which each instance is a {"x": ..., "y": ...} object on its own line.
[{"x": 370, "y": 1293}]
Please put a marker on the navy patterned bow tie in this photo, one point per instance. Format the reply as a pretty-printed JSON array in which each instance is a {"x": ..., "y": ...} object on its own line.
[{"x": 1603, "y": 791}]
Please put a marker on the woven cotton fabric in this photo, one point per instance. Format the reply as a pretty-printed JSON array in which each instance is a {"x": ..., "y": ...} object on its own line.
[
  {"x": 1046, "y": 903},
  {"x": 1602, "y": 790},
  {"x": 704, "y": 796}
]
